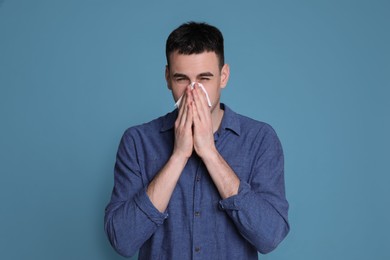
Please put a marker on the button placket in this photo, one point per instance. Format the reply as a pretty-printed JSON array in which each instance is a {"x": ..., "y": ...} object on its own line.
[{"x": 197, "y": 225}]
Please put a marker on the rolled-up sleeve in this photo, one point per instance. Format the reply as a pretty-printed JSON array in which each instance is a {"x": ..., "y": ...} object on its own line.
[
  {"x": 260, "y": 209},
  {"x": 130, "y": 217}
]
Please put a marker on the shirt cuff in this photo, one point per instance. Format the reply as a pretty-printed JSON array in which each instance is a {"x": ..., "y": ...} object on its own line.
[
  {"x": 143, "y": 202},
  {"x": 234, "y": 202}
]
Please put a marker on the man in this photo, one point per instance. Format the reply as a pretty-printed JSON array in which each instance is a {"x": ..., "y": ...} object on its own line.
[{"x": 201, "y": 182}]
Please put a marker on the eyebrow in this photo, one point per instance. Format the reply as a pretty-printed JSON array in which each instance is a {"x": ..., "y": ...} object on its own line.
[
  {"x": 204, "y": 74},
  {"x": 179, "y": 75}
]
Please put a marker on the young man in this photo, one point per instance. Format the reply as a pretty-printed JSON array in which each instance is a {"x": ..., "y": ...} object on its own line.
[{"x": 201, "y": 182}]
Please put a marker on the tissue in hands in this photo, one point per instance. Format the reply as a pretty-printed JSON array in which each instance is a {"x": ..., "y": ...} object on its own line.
[{"x": 192, "y": 87}]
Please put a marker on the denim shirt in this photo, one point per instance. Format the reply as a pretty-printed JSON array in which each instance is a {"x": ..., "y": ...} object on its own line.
[{"x": 198, "y": 224}]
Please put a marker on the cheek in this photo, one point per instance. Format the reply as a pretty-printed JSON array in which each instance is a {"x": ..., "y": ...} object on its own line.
[
  {"x": 214, "y": 95},
  {"x": 176, "y": 95},
  {"x": 177, "y": 92},
  {"x": 212, "y": 89}
]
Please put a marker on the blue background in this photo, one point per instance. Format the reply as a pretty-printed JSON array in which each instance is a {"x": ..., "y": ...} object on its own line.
[{"x": 75, "y": 74}]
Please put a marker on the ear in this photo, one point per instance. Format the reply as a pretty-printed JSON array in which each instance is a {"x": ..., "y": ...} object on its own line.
[
  {"x": 167, "y": 77},
  {"x": 225, "y": 73}
]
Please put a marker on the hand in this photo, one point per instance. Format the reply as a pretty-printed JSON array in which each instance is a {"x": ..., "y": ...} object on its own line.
[
  {"x": 202, "y": 124},
  {"x": 183, "y": 127}
]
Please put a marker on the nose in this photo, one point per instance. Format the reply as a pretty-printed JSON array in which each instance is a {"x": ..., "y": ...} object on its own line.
[{"x": 193, "y": 83}]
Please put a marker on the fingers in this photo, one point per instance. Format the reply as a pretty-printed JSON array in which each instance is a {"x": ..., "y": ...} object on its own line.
[
  {"x": 195, "y": 114},
  {"x": 180, "y": 106},
  {"x": 185, "y": 115},
  {"x": 189, "y": 118},
  {"x": 204, "y": 95},
  {"x": 194, "y": 108},
  {"x": 187, "y": 121},
  {"x": 182, "y": 110},
  {"x": 183, "y": 128},
  {"x": 200, "y": 103}
]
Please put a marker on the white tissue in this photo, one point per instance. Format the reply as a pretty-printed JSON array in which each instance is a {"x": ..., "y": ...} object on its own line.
[{"x": 192, "y": 87}]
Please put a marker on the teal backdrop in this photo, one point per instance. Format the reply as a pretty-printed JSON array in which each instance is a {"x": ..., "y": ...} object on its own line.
[{"x": 75, "y": 74}]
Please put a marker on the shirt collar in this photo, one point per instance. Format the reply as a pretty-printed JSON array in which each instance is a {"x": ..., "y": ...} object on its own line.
[
  {"x": 169, "y": 121},
  {"x": 230, "y": 120}
]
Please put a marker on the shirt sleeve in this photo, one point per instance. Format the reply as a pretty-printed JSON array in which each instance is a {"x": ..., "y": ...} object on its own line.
[
  {"x": 130, "y": 217},
  {"x": 260, "y": 208}
]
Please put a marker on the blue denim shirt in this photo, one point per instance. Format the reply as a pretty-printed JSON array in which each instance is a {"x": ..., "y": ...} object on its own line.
[{"x": 198, "y": 224}]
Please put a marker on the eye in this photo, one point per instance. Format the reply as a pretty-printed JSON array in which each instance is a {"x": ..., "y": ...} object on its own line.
[
  {"x": 204, "y": 79},
  {"x": 181, "y": 80}
]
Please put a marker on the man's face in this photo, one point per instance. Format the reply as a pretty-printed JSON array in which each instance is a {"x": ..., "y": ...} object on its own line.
[{"x": 201, "y": 68}]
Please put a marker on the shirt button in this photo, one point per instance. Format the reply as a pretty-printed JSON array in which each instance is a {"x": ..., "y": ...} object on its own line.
[
  {"x": 197, "y": 178},
  {"x": 197, "y": 249},
  {"x": 197, "y": 214}
]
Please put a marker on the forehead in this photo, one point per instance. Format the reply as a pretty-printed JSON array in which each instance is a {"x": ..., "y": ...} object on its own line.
[{"x": 205, "y": 61}]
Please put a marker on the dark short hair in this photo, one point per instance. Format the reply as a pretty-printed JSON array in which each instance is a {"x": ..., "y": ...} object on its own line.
[{"x": 195, "y": 38}]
